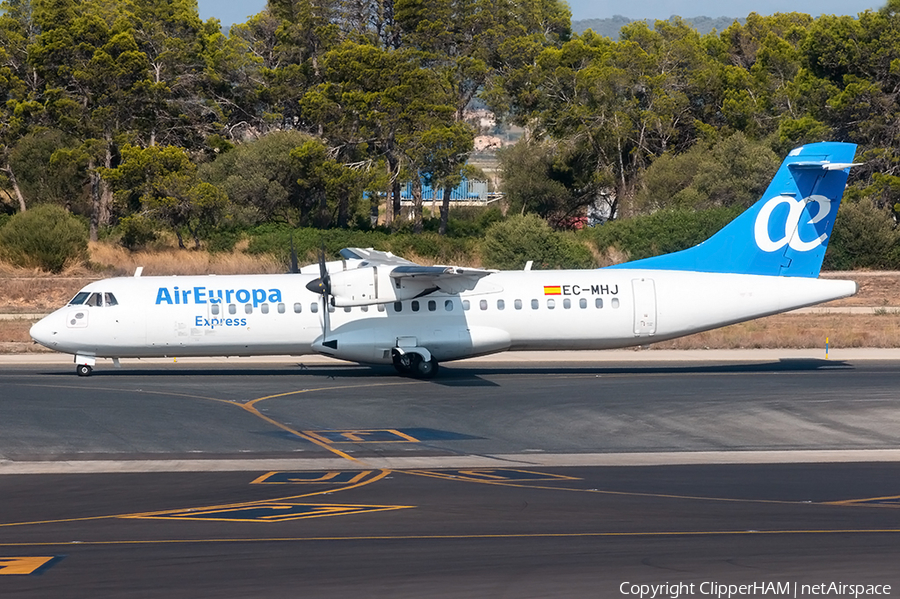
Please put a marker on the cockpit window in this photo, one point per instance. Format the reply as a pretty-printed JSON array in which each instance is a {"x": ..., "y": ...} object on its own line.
[
  {"x": 79, "y": 298},
  {"x": 95, "y": 300},
  {"x": 110, "y": 299}
]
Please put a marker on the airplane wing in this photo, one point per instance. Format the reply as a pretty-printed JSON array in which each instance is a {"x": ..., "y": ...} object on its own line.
[
  {"x": 449, "y": 279},
  {"x": 374, "y": 257}
]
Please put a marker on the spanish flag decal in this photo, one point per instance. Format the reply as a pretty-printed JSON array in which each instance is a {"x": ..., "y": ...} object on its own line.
[{"x": 552, "y": 290}]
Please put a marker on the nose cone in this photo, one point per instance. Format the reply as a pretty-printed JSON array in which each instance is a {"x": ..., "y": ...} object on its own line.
[
  {"x": 44, "y": 332},
  {"x": 318, "y": 286}
]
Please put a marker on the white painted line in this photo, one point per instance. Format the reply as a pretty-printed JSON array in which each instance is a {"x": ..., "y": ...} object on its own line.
[{"x": 813, "y": 456}]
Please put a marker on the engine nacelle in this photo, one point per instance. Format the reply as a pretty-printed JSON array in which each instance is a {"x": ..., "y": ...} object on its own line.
[{"x": 372, "y": 285}]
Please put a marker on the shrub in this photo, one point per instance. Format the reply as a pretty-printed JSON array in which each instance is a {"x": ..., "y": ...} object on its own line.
[
  {"x": 137, "y": 231},
  {"x": 276, "y": 240},
  {"x": 662, "y": 232},
  {"x": 46, "y": 237},
  {"x": 511, "y": 243},
  {"x": 863, "y": 237}
]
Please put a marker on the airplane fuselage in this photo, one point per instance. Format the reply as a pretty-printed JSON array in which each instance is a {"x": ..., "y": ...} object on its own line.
[{"x": 510, "y": 310}]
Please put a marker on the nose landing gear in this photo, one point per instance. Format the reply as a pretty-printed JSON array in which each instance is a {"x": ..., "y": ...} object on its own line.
[{"x": 84, "y": 365}]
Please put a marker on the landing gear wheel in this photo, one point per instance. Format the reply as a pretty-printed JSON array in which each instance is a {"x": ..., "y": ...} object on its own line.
[
  {"x": 83, "y": 370},
  {"x": 403, "y": 363},
  {"x": 426, "y": 369}
]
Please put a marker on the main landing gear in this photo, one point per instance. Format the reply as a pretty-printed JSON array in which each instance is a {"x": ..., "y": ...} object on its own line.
[
  {"x": 83, "y": 370},
  {"x": 413, "y": 364}
]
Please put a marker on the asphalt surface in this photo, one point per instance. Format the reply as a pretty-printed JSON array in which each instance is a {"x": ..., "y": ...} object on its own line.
[{"x": 254, "y": 479}]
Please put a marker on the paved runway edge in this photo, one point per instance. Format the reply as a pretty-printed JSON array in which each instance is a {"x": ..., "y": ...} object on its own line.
[
  {"x": 580, "y": 357},
  {"x": 9, "y": 467}
]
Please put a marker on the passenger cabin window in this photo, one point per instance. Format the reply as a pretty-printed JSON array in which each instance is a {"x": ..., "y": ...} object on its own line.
[
  {"x": 248, "y": 308},
  {"x": 466, "y": 304},
  {"x": 314, "y": 308},
  {"x": 483, "y": 304},
  {"x": 518, "y": 304},
  {"x": 567, "y": 303},
  {"x": 551, "y": 303},
  {"x": 582, "y": 303},
  {"x": 214, "y": 309},
  {"x": 346, "y": 308},
  {"x": 534, "y": 304},
  {"x": 501, "y": 304},
  {"x": 330, "y": 309},
  {"x": 415, "y": 305},
  {"x": 448, "y": 305},
  {"x": 381, "y": 307},
  {"x": 264, "y": 308},
  {"x": 79, "y": 298},
  {"x": 615, "y": 302},
  {"x": 232, "y": 309},
  {"x": 364, "y": 308},
  {"x": 281, "y": 308},
  {"x": 298, "y": 308},
  {"x": 598, "y": 302},
  {"x": 432, "y": 305},
  {"x": 398, "y": 306}
]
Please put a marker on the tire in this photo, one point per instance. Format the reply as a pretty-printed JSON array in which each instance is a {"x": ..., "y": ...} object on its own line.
[
  {"x": 426, "y": 369},
  {"x": 83, "y": 370}
]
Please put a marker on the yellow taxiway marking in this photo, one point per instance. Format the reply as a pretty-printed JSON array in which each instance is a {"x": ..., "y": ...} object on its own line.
[
  {"x": 491, "y": 475},
  {"x": 329, "y": 491},
  {"x": 270, "y": 511},
  {"x": 889, "y": 501},
  {"x": 360, "y": 435},
  {"x": 250, "y": 406},
  {"x": 283, "y": 477},
  {"x": 506, "y": 483},
  {"x": 21, "y": 566}
]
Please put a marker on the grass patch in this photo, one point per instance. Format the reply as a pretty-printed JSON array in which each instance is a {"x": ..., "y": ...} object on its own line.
[{"x": 800, "y": 331}]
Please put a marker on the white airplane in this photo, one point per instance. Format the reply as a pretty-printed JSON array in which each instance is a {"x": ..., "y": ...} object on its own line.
[{"x": 382, "y": 309}]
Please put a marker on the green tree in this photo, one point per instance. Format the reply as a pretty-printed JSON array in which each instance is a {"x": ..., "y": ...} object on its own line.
[
  {"x": 163, "y": 184},
  {"x": 732, "y": 172},
  {"x": 374, "y": 107},
  {"x": 52, "y": 169},
  {"x": 20, "y": 109},
  {"x": 261, "y": 179}
]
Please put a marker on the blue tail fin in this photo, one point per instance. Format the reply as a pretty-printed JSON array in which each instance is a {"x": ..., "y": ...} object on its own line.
[{"x": 783, "y": 234}]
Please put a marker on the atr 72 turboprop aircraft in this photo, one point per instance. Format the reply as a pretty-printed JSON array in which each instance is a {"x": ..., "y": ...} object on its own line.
[{"x": 373, "y": 307}]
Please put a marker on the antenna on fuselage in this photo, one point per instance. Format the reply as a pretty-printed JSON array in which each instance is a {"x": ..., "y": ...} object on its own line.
[{"x": 295, "y": 267}]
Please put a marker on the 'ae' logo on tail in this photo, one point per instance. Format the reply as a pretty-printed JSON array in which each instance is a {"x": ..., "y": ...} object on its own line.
[{"x": 791, "y": 224}]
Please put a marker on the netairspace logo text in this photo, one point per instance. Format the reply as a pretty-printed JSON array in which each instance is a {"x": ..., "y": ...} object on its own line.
[{"x": 796, "y": 590}]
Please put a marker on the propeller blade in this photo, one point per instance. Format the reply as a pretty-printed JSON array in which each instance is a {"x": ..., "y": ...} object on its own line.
[{"x": 323, "y": 271}]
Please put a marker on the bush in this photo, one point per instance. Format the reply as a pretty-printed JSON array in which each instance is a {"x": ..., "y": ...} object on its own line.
[
  {"x": 863, "y": 237},
  {"x": 662, "y": 232},
  {"x": 46, "y": 237},
  {"x": 511, "y": 243},
  {"x": 136, "y": 231},
  {"x": 276, "y": 240},
  {"x": 222, "y": 239}
]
